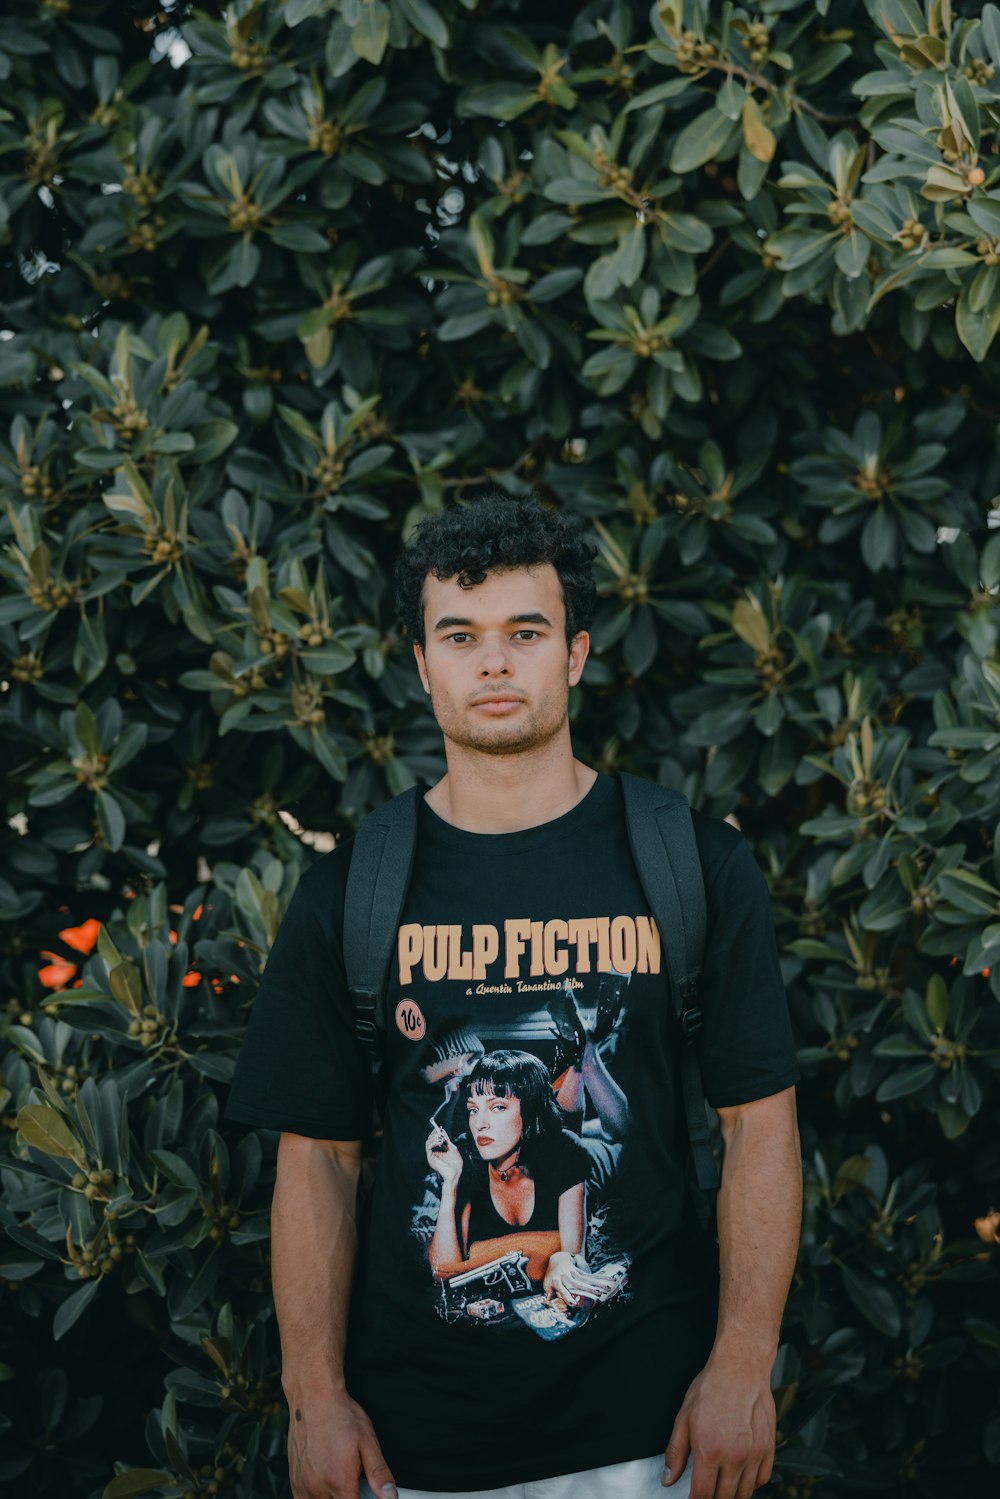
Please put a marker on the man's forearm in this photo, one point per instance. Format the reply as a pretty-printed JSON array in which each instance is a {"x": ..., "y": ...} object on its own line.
[
  {"x": 759, "y": 1212},
  {"x": 313, "y": 1254}
]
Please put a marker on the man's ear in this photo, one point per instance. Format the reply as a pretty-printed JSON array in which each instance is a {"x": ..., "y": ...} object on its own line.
[
  {"x": 421, "y": 666},
  {"x": 579, "y": 649}
]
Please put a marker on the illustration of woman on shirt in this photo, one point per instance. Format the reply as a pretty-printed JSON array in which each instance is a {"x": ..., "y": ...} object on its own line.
[{"x": 515, "y": 1179}]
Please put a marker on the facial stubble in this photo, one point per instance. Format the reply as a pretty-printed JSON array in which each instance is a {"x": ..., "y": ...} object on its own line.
[{"x": 527, "y": 730}]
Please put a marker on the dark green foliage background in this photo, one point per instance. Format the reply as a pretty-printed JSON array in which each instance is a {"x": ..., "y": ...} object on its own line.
[{"x": 279, "y": 279}]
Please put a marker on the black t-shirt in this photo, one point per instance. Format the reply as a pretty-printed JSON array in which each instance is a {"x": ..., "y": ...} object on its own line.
[{"x": 533, "y": 1123}]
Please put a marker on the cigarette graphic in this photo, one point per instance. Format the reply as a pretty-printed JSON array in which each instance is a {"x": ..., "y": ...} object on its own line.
[{"x": 455, "y": 1055}]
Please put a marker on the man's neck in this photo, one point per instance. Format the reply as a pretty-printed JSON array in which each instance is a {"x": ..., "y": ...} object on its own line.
[{"x": 507, "y": 793}]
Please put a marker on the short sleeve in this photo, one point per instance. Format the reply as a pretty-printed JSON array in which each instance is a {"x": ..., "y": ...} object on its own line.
[
  {"x": 300, "y": 1068},
  {"x": 746, "y": 1048},
  {"x": 572, "y": 1162}
]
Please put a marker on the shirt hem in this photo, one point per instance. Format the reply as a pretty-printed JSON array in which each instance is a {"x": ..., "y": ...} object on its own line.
[
  {"x": 568, "y": 1465},
  {"x": 313, "y": 1129},
  {"x": 752, "y": 1094}
]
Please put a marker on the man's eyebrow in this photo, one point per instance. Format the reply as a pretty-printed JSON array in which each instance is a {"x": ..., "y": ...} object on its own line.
[{"x": 448, "y": 621}]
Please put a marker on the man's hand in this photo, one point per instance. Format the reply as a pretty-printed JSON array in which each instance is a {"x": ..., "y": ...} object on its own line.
[
  {"x": 727, "y": 1422},
  {"x": 328, "y": 1449}
]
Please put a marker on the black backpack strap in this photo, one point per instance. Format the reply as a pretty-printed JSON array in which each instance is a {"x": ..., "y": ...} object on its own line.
[
  {"x": 663, "y": 843},
  {"x": 377, "y": 881}
]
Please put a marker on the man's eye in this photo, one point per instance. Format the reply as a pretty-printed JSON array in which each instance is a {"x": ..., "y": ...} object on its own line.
[
  {"x": 459, "y": 635},
  {"x": 527, "y": 632}
]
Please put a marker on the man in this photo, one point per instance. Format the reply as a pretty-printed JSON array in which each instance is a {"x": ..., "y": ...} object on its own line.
[{"x": 535, "y": 1310}]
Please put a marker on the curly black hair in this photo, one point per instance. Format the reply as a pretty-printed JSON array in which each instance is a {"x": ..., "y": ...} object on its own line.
[{"x": 491, "y": 531}]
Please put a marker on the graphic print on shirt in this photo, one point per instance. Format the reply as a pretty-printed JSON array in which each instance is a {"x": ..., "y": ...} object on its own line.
[{"x": 527, "y": 1119}]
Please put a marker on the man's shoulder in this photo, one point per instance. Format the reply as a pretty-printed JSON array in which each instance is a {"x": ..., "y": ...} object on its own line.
[
  {"x": 325, "y": 879},
  {"x": 717, "y": 840}
]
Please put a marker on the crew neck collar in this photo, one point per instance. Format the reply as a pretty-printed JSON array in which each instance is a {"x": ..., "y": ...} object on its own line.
[{"x": 434, "y": 829}]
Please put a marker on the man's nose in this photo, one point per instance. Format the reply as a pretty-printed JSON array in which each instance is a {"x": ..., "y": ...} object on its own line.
[{"x": 495, "y": 660}]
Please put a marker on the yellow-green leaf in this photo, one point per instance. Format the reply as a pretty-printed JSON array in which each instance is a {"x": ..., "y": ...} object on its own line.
[
  {"x": 138, "y": 1481},
  {"x": 750, "y": 624},
  {"x": 126, "y": 986},
  {"x": 220, "y": 1351},
  {"x": 936, "y": 1002},
  {"x": 759, "y": 137},
  {"x": 44, "y": 1129},
  {"x": 370, "y": 36},
  {"x": 482, "y": 243},
  {"x": 851, "y": 1173}
]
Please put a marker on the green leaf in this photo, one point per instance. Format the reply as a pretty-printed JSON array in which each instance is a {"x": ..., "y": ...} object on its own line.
[
  {"x": 495, "y": 101},
  {"x": 302, "y": 237},
  {"x": 296, "y": 11},
  {"x": 554, "y": 285},
  {"x": 423, "y": 17},
  {"x": 659, "y": 93},
  {"x": 328, "y": 660},
  {"x": 985, "y": 212},
  {"x": 873, "y": 1300},
  {"x": 701, "y": 140},
  {"x": 810, "y": 947},
  {"x": 330, "y": 756},
  {"x": 603, "y": 278},
  {"x": 87, "y": 731},
  {"x": 682, "y": 231},
  {"x": 172, "y": 442},
  {"x": 906, "y": 1081},
  {"x": 880, "y": 539},
  {"x": 72, "y": 1309},
  {"x": 976, "y": 329},
  {"x": 175, "y": 1169},
  {"x": 452, "y": 329},
  {"x": 17, "y": 363},
  {"x": 110, "y": 820}
]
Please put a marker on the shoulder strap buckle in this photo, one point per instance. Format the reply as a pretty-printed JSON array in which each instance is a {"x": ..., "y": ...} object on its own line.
[
  {"x": 365, "y": 1009},
  {"x": 691, "y": 1021}
]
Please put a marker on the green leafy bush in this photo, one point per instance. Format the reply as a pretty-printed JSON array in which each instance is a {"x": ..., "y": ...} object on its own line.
[{"x": 278, "y": 279}]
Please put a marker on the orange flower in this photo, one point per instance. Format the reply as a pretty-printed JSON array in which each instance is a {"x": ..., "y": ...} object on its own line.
[
  {"x": 190, "y": 979},
  {"x": 988, "y": 1228},
  {"x": 82, "y": 938},
  {"x": 57, "y": 974},
  {"x": 220, "y": 987}
]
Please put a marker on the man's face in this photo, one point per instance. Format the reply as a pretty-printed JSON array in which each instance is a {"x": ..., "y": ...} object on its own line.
[{"x": 495, "y": 660}]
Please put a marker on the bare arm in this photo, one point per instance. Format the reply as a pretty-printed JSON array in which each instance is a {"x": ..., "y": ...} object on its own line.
[
  {"x": 572, "y": 1212},
  {"x": 561, "y": 1273},
  {"x": 313, "y": 1254},
  {"x": 727, "y": 1419},
  {"x": 444, "y": 1157}
]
